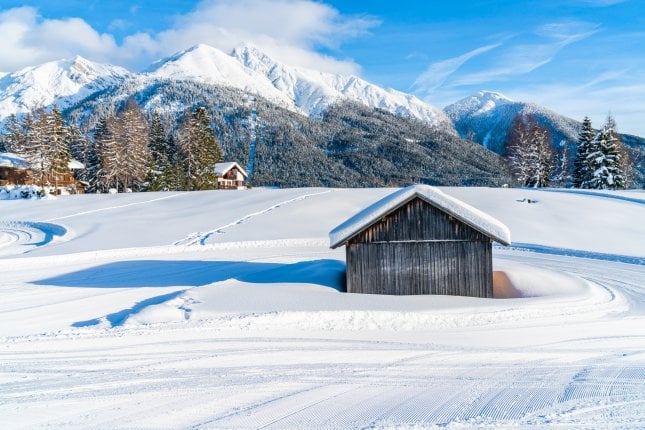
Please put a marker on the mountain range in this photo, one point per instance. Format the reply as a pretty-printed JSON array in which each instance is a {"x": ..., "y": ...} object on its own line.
[{"x": 235, "y": 83}]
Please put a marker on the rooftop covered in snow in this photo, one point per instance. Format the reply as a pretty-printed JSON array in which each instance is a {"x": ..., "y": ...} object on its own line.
[
  {"x": 222, "y": 168},
  {"x": 11, "y": 160},
  {"x": 469, "y": 215}
]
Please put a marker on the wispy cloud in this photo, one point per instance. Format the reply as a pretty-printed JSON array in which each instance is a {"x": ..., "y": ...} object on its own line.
[
  {"x": 295, "y": 33},
  {"x": 524, "y": 58},
  {"x": 437, "y": 73}
]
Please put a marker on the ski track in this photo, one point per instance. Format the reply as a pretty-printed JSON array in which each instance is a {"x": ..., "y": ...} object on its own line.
[
  {"x": 19, "y": 237},
  {"x": 93, "y": 211},
  {"x": 203, "y": 381},
  {"x": 201, "y": 237}
]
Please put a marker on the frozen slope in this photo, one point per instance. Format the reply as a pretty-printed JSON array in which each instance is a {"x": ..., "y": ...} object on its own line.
[{"x": 222, "y": 310}]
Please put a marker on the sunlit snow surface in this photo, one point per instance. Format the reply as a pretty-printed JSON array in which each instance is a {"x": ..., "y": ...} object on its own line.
[{"x": 223, "y": 310}]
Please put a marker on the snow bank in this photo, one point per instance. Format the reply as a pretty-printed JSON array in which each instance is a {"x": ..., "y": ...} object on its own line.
[{"x": 23, "y": 192}]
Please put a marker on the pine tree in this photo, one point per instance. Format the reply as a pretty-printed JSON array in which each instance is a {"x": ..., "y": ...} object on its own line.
[
  {"x": 57, "y": 141},
  {"x": 606, "y": 160},
  {"x": 159, "y": 176},
  {"x": 582, "y": 168},
  {"x": 13, "y": 137},
  {"x": 199, "y": 150}
]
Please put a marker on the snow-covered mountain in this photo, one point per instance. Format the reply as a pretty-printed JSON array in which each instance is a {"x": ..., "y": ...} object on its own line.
[
  {"x": 309, "y": 92},
  {"x": 205, "y": 64},
  {"x": 486, "y": 117},
  {"x": 62, "y": 82},
  {"x": 313, "y": 91}
]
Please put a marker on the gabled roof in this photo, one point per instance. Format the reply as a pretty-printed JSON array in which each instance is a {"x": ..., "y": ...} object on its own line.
[
  {"x": 467, "y": 214},
  {"x": 75, "y": 164},
  {"x": 9, "y": 159},
  {"x": 222, "y": 168}
]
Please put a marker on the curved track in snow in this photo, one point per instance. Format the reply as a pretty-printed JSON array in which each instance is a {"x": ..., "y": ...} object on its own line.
[{"x": 19, "y": 237}]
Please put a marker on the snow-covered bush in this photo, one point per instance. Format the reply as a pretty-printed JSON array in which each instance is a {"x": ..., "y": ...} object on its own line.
[{"x": 23, "y": 192}]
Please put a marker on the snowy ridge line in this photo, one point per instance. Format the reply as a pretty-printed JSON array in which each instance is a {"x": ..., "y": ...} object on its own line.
[
  {"x": 90, "y": 256},
  {"x": 551, "y": 250},
  {"x": 201, "y": 238},
  {"x": 112, "y": 207}
]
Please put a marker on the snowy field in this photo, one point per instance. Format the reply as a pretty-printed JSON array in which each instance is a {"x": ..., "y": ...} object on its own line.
[{"x": 222, "y": 310}]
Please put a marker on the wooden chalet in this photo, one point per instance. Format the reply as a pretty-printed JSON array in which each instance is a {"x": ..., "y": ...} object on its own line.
[
  {"x": 419, "y": 240},
  {"x": 230, "y": 176},
  {"x": 15, "y": 170}
]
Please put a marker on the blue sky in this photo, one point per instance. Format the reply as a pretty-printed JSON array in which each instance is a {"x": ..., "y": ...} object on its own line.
[{"x": 577, "y": 57}]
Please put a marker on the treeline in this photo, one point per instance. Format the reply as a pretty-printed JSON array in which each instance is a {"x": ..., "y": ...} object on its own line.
[
  {"x": 600, "y": 162},
  {"x": 44, "y": 139},
  {"x": 125, "y": 151}
]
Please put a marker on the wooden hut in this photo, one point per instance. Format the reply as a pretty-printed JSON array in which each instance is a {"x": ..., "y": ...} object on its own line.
[
  {"x": 230, "y": 176},
  {"x": 419, "y": 240},
  {"x": 14, "y": 169}
]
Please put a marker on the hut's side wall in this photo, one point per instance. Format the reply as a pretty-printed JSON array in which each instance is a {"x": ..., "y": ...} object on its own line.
[
  {"x": 420, "y": 249},
  {"x": 403, "y": 268}
]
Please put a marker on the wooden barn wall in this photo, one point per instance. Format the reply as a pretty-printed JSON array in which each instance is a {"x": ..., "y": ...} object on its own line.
[
  {"x": 462, "y": 268},
  {"x": 418, "y": 220},
  {"x": 419, "y": 249}
]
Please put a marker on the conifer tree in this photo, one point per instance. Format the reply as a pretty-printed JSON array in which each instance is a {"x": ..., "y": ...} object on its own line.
[
  {"x": 199, "y": 150},
  {"x": 159, "y": 171},
  {"x": 56, "y": 139},
  {"x": 606, "y": 160},
  {"x": 583, "y": 170}
]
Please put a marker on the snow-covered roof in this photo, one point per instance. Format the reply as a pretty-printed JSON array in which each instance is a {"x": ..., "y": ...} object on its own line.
[
  {"x": 75, "y": 164},
  {"x": 9, "y": 159},
  {"x": 475, "y": 218},
  {"x": 222, "y": 168}
]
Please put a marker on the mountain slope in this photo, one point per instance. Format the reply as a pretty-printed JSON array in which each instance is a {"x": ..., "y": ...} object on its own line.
[
  {"x": 62, "y": 82},
  {"x": 350, "y": 146},
  {"x": 486, "y": 118}
]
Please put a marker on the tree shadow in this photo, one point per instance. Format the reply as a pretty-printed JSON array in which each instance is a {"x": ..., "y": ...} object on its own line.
[{"x": 159, "y": 273}]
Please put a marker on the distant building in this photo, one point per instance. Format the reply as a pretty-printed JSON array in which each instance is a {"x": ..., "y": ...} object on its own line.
[
  {"x": 230, "y": 176},
  {"x": 419, "y": 240},
  {"x": 15, "y": 170}
]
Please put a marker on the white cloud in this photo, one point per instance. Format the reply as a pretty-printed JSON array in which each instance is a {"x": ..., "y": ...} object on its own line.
[
  {"x": 27, "y": 39},
  {"x": 295, "y": 32}
]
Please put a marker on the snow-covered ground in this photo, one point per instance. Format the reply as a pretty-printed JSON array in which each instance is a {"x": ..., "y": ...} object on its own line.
[{"x": 222, "y": 310}]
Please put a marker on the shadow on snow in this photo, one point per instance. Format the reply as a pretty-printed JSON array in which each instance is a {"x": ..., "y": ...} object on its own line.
[{"x": 159, "y": 273}]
